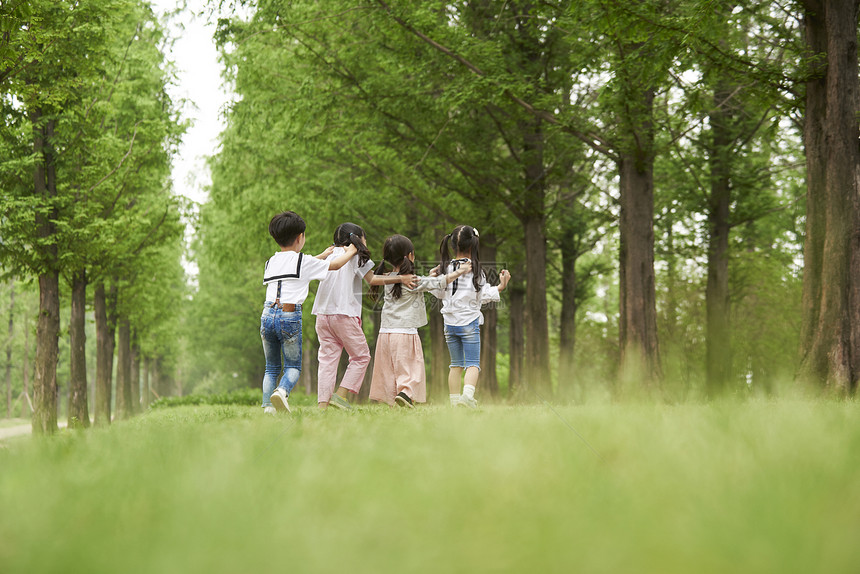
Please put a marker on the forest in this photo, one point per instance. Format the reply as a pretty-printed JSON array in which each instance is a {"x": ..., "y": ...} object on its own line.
[{"x": 672, "y": 185}]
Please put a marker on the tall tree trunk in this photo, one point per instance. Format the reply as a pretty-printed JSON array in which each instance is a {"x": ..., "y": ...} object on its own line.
[
  {"x": 489, "y": 332},
  {"x": 135, "y": 376},
  {"x": 146, "y": 389},
  {"x": 9, "y": 349},
  {"x": 537, "y": 325},
  {"x": 718, "y": 341},
  {"x": 123, "y": 370},
  {"x": 567, "y": 327},
  {"x": 48, "y": 328},
  {"x": 104, "y": 357},
  {"x": 25, "y": 374},
  {"x": 640, "y": 353},
  {"x": 78, "y": 408},
  {"x": 516, "y": 334},
  {"x": 832, "y": 357},
  {"x": 437, "y": 381}
]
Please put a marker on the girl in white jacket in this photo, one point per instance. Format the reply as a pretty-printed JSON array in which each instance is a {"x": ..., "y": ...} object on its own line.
[{"x": 398, "y": 365}]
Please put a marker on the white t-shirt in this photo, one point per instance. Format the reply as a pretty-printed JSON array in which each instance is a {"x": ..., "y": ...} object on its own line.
[
  {"x": 340, "y": 292},
  {"x": 461, "y": 303},
  {"x": 295, "y": 271}
]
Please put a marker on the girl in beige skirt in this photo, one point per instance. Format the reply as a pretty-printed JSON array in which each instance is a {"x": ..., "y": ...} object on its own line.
[{"x": 398, "y": 364}]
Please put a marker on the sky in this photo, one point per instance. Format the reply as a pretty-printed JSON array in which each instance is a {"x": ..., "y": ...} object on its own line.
[{"x": 199, "y": 82}]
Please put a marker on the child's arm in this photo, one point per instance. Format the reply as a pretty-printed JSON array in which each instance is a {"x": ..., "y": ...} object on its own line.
[
  {"x": 408, "y": 280},
  {"x": 461, "y": 270},
  {"x": 504, "y": 277},
  {"x": 325, "y": 253},
  {"x": 343, "y": 259}
]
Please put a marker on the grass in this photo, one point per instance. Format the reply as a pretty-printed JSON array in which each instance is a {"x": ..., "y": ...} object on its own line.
[{"x": 752, "y": 487}]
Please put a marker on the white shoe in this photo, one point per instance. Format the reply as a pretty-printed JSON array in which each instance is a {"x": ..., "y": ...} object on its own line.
[
  {"x": 269, "y": 410},
  {"x": 279, "y": 400},
  {"x": 465, "y": 401}
]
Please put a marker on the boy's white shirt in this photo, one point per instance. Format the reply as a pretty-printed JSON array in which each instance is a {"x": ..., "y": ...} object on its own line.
[
  {"x": 340, "y": 291},
  {"x": 284, "y": 266},
  {"x": 464, "y": 306}
]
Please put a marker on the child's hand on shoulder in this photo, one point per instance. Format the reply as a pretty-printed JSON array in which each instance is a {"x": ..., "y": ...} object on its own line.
[
  {"x": 351, "y": 249},
  {"x": 434, "y": 272},
  {"x": 464, "y": 268},
  {"x": 410, "y": 281},
  {"x": 328, "y": 251}
]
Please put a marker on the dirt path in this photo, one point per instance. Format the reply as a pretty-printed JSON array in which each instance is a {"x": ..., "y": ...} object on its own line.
[{"x": 19, "y": 430}]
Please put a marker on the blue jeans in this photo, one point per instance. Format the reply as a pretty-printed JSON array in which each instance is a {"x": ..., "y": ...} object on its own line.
[
  {"x": 282, "y": 343},
  {"x": 464, "y": 344}
]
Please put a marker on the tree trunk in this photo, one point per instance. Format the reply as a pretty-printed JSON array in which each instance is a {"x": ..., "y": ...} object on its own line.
[
  {"x": 123, "y": 370},
  {"x": 640, "y": 354},
  {"x": 104, "y": 357},
  {"x": 146, "y": 390},
  {"x": 831, "y": 323},
  {"x": 78, "y": 409},
  {"x": 489, "y": 333},
  {"x": 537, "y": 326},
  {"x": 718, "y": 342},
  {"x": 25, "y": 374},
  {"x": 567, "y": 327},
  {"x": 9, "y": 349},
  {"x": 437, "y": 381},
  {"x": 135, "y": 378},
  {"x": 515, "y": 331},
  {"x": 48, "y": 328}
]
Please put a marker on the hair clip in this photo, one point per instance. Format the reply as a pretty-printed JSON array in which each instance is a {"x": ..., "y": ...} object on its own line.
[{"x": 476, "y": 232}]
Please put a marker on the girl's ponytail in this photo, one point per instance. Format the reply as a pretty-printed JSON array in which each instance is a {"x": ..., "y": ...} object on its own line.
[
  {"x": 375, "y": 289},
  {"x": 446, "y": 256},
  {"x": 477, "y": 272},
  {"x": 351, "y": 234}
]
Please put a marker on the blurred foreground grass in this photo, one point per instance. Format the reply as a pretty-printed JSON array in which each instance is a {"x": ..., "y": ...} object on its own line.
[{"x": 750, "y": 487}]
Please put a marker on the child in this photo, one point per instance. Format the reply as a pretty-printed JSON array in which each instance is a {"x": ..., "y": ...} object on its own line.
[
  {"x": 287, "y": 276},
  {"x": 398, "y": 366},
  {"x": 338, "y": 310},
  {"x": 461, "y": 311}
]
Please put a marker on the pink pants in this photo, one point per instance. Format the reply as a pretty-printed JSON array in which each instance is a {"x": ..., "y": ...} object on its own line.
[
  {"x": 398, "y": 367},
  {"x": 336, "y": 333}
]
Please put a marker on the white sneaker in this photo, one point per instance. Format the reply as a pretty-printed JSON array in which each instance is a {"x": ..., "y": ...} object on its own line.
[
  {"x": 269, "y": 410},
  {"x": 465, "y": 401},
  {"x": 279, "y": 400}
]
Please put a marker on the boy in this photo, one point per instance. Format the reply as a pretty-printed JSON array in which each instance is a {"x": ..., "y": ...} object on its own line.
[{"x": 287, "y": 277}]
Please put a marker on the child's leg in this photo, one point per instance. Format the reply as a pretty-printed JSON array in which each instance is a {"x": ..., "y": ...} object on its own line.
[
  {"x": 472, "y": 357},
  {"x": 455, "y": 372},
  {"x": 272, "y": 351},
  {"x": 382, "y": 383},
  {"x": 455, "y": 379},
  {"x": 291, "y": 347},
  {"x": 349, "y": 329},
  {"x": 329, "y": 357},
  {"x": 409, "y": 366}
]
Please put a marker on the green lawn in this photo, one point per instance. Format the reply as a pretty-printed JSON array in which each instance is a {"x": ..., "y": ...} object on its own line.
[{"x": 750, "y": 487}]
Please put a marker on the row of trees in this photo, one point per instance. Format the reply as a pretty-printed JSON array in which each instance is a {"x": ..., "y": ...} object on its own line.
[
  {"x": 87, "y": 211},
  {"x": 638, "y": 165}
]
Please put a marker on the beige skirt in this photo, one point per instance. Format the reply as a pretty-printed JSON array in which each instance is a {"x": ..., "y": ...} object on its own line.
[{"x": 398, "y": 366}]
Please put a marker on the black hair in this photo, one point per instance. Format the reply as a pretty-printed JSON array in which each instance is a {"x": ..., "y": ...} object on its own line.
[
  {"x": 351, "y": 234},
  {"x": 395, "y": 251},
  {"x": 285, "y": 227},
  {"x": 465, "y": 239}
]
